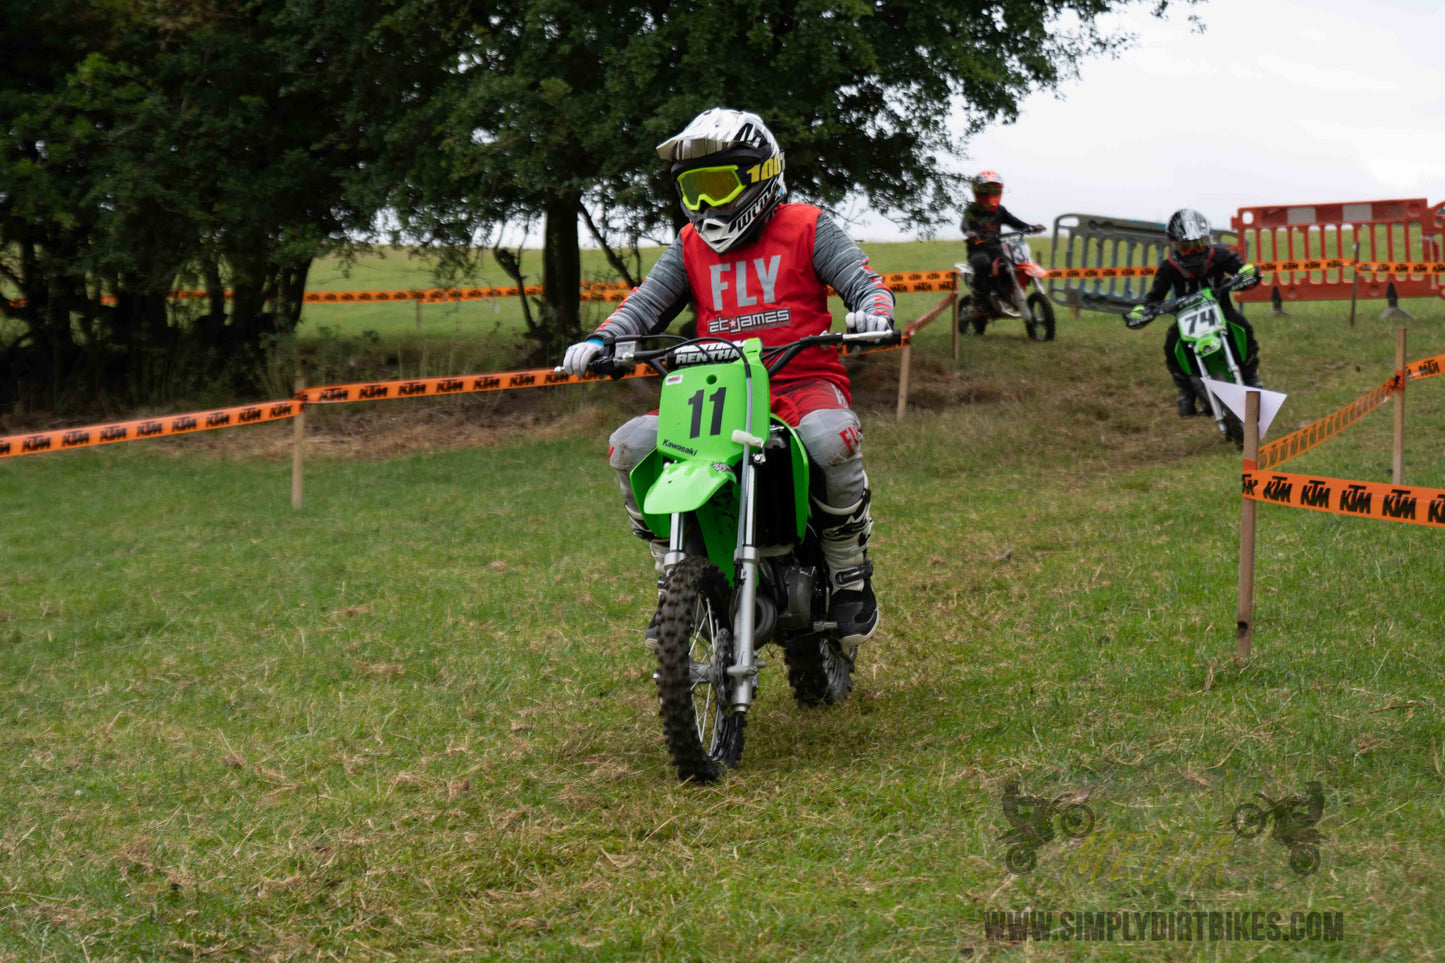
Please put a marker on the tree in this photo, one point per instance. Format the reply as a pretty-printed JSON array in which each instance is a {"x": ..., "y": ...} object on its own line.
[
  {"x": 565, "y": 101},
  {"x": 152, "y": 142}
]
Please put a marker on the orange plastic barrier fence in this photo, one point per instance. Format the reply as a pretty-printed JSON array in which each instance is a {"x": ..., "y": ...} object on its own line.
[
  {"x": 1341, "y": 496},
  {"x": 1400, "y": 240},
  {"x": 144, "y": 428}
]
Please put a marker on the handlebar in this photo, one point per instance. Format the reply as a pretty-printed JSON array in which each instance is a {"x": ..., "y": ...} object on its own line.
[
  {"x": 1001, "y": 235},
  {"x": 1173, "y": 306},
  {"x": 620, "y": 356}
]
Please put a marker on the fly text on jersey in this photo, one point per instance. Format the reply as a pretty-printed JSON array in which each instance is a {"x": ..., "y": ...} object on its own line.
[{"x": 748, "y": 278}]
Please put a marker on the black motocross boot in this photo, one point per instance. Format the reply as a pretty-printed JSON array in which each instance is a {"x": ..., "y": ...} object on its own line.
[
  {"x": 1185, "y": 389},
  {"x": 843, "y": 536},
  {"x": 1249, "y": 371}
]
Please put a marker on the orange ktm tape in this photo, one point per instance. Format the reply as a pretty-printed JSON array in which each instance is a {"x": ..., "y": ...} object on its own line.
[
  {"x": 1328, "y": 264},
  {"x": 433, "y": 295},
  {"x": 900, "y": 283},
  {"x": 1424, "y": 368},
  {"x": 145, "y": 428},
  {"x": 466, "y": 384},
  {"x": 455, "y": 385},
  {"x": 1340, "y": 496},
  {"x": 1400, "y": 267},
  {"x": 1316, "y": 433},
  {"x": 917, "y": 282},
  {"x": 1104, "y": 272}
]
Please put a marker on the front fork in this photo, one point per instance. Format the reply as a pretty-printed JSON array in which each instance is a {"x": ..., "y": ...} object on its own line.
[
  {"x": 744, "y": 670},
  {"x": 1215, "y": 408}
]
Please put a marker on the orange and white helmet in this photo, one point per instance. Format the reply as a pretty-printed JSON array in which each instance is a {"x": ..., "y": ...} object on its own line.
[{"x": 988, "y": 188}]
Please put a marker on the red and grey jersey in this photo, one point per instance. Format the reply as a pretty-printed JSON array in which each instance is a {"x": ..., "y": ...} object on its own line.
[{"x": 774, "y": 288}]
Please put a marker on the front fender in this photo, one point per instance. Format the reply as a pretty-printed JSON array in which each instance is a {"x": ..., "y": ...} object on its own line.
[{"x": 685, "y": 486}]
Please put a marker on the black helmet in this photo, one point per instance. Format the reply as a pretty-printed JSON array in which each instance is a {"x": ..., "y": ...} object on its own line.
[
  {"x": 729, "y": 174},
  {"x": 1189, "y": 239}
]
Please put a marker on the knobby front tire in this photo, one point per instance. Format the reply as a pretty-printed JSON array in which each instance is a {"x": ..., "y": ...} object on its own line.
[
  {"x": 694, "y": 651},
  {"x": 1041, "y": 317}
]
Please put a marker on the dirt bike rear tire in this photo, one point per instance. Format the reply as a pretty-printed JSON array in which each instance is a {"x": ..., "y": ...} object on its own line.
[
  {"x": 1041, "y": 318},
  {"x": 703, "y": 734},
  {"x": 820, "y": 674}
]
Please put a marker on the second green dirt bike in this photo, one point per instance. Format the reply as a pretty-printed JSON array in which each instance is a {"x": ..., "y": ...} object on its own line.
[
  {"x": 1210, "y": 346},
  {"x": 728, "y": 488}
]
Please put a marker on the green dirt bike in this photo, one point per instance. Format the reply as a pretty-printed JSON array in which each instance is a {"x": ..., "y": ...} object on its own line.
[
  {"x": 1209, "y": 346},
  {"x": 728, "y": 487}
]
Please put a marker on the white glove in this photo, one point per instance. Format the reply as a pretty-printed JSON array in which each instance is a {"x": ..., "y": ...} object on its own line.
[
  {"x": 575, "y": 361},
  {"x": 861, "y": 321}
]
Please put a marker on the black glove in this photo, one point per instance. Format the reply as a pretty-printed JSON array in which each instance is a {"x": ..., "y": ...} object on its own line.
[{"x": 1137, "y": 317}]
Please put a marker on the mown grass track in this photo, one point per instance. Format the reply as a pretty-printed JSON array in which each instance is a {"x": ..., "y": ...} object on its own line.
[{"x": 415, "y": 720}]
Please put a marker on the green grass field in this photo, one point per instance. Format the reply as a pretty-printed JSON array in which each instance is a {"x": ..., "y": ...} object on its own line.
[{"x": 414, "y": 720}]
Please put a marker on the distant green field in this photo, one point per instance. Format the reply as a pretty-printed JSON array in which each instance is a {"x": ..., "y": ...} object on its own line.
[{"x": 415, "y": 721}]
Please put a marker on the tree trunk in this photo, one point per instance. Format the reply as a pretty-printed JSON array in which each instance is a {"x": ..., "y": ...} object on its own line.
[
  {"x": 562, "y": 270},
  {"x": 291, "y": 294}
]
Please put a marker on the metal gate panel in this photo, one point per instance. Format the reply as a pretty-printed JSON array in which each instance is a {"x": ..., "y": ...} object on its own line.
[{"x": 1099, "y": 241}]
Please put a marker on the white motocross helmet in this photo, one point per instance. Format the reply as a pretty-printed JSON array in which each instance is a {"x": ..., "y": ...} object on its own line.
[{"x": 729, "y": 174}]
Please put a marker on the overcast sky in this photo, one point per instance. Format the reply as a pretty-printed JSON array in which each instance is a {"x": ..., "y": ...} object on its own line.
[{"x": 1276, "y": 102}]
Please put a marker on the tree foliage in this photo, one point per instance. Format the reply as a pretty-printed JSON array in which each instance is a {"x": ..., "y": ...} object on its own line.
[
  {"x": 565, "y": 100},
  {"x": 150, "y": 144},
  {"x": 153, "y": 143}
]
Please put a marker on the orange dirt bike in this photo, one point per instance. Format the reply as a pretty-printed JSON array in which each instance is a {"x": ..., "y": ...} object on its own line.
[
  {"x": 1026, "y": 297},
  {"x": 728, "y": 488}
]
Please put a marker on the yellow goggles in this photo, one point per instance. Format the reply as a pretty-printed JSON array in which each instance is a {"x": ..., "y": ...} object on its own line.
[{"x": 714, "y": 186}]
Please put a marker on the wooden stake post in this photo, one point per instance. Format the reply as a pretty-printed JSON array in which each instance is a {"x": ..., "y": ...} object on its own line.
[
  {"x": 954, "y": 314},
  {"x": 903, "y": 378},
  {"x": 298, "y": 437},
  {"x": 1398, "y": 465},
  {"x": 1244, "y": 616}
]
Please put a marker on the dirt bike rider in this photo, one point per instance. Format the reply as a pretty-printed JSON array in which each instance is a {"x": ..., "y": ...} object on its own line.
[
  {"x": 753, "y": 266},
  {"x": 983, "y": 218},
  {"x": 1194, "y": 260},
  {"x": 1295, "y": 818},
  {"x": 1031, "y": 818}
]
